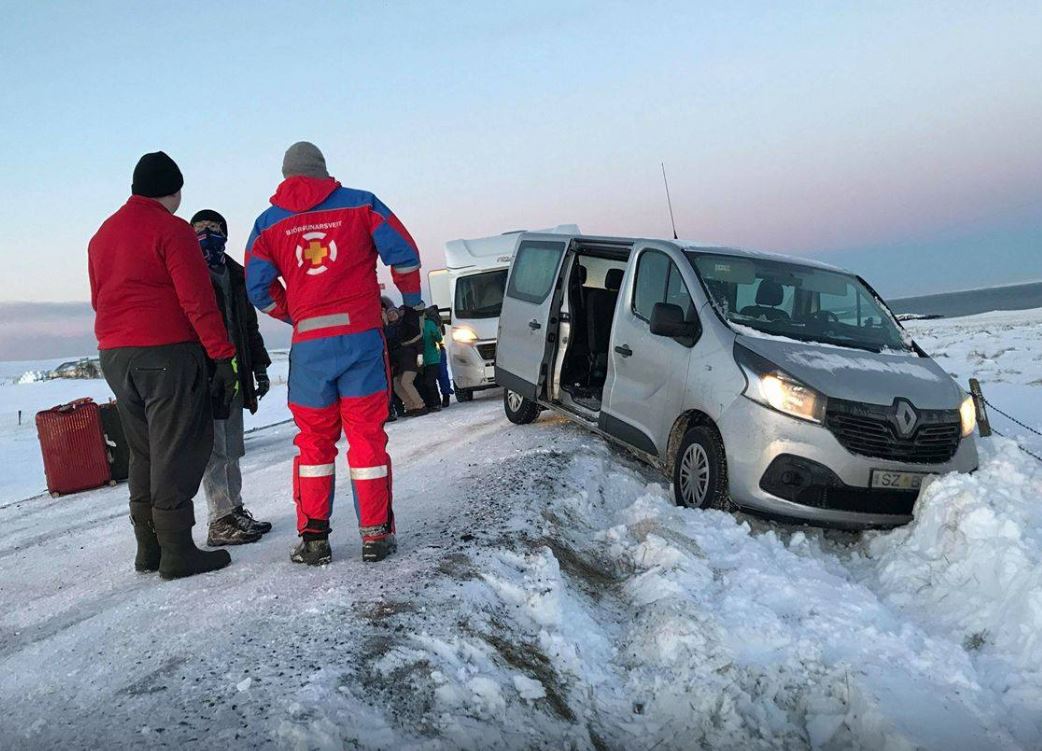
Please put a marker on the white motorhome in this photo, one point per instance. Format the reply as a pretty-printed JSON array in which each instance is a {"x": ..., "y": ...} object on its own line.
[{"x": 470, "y": 290}]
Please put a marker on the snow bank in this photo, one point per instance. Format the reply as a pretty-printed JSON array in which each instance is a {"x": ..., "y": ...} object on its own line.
[
  {"x": 651, "y": 626},
  {"x": 970, "y": 566}
]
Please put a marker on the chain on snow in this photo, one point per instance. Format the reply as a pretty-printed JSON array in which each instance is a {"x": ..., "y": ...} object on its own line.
[{"x": 1013, "y": 419}]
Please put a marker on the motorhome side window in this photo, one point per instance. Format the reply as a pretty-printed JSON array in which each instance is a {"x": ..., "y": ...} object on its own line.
[
  {"x": 659, "y": 280},
  {"x": 535, "y": 270}
]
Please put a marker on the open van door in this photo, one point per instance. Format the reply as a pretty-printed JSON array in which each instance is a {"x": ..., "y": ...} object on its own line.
[{"x": 524, "y": 323}]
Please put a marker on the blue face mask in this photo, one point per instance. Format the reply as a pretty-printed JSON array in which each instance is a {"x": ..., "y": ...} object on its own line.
[{"x": 212, "y": 242}]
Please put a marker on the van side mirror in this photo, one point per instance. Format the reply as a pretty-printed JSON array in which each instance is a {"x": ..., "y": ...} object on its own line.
[{"x": 668, "y": 320}]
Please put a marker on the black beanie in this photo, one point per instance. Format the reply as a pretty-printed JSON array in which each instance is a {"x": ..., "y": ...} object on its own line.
[
  {"x": 156, "y": 175},
  {"x": 209, "y": 215}
]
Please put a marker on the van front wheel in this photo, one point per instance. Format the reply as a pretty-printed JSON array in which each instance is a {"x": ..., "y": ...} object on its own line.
[
  {"x": 462, "y": 395},
  {"x": 520, "y": 411},
  {"x": 700, "y": 470}
]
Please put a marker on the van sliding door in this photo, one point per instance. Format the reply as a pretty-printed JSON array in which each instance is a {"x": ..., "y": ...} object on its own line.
[{"x": 521, "y": 356}]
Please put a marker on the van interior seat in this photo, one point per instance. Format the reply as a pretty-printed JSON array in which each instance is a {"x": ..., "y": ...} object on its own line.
[
  {"x": 769, "y": 294},
  {"x": 600, "y": 309}
]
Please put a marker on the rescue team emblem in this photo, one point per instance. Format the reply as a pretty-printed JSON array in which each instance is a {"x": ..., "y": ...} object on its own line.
[{"x": 316, "y": 253}]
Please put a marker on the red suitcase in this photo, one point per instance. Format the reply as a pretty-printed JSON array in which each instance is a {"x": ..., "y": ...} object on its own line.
[{"x": 73, "y": 444}]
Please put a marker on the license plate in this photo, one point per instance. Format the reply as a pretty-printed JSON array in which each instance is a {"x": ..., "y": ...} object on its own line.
[{"x": 885, "y": 478}]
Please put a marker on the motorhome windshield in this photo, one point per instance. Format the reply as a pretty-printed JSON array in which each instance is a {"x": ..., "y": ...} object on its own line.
[
  {"x": 797, "y": 301},
  {"x": 480, "y": 295}
]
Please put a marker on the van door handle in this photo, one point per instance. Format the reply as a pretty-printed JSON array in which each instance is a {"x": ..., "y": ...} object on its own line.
[
  {"x": 534, "y": 324},
  {"x": 624, "y": 350}
]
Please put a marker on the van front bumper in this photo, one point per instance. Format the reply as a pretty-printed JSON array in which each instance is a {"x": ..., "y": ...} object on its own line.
[
  {"x": 756, "y": 437},
  {"x": 471, "y": 369}
]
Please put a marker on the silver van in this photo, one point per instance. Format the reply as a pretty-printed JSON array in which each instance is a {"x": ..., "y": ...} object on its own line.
[{"x": 783, "y": 386}]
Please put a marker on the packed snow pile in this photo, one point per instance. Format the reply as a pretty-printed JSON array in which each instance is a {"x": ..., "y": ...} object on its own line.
[
  {"x": 635, "y": 624},
  {"x": 970, "y": 566}
]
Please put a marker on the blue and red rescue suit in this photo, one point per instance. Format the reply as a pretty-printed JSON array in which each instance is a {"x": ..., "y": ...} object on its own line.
[{"x": 323, "y": 241}]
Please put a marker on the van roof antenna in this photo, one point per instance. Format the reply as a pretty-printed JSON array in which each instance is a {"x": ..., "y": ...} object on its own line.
[{"x": 669, "y": 202}]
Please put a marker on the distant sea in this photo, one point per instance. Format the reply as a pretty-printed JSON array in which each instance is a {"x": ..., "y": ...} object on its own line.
[{"x": 972, "y": 301}]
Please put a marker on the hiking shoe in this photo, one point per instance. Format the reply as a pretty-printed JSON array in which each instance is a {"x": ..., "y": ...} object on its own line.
[
  {"x": 228, "y": 530},
  {"x": 377, "y": 547},
  {"x": 445, "y": 401},
  {"x": 248, "y": 523},
  {"x": 312, "y": 552},
  {"x": 415, "y": 412},
  {"x": 180, "y": 557}
]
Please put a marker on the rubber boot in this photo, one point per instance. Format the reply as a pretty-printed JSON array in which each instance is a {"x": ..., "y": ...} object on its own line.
[
  {"x": 148, "y": 553},
  {"x": 182, "y": 558}
]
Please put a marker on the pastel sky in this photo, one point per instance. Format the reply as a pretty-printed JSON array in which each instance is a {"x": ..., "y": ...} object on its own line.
[{"x": 903, "y": 140}]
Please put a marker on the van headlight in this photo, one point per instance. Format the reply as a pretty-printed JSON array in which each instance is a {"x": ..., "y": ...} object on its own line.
[
  {"x": 968, "y": 416},
  {"x": 767, "y": 384},
  {"x": 464, "y": 334}
]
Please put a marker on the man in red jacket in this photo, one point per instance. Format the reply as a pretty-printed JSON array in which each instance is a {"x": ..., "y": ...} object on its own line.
[
  {"x": 156, "y": 312},
  {"x": 322, "y": 240}
]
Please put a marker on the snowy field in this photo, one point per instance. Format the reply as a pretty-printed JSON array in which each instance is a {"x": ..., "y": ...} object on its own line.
[
  {"x": 24, "y": 476},
  {"x": 547, "y": 594}
]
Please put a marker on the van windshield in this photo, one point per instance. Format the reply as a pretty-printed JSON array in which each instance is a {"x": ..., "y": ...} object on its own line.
[
  {"x": 480, "y": 295},
  {"x": 796, "y": 301}
]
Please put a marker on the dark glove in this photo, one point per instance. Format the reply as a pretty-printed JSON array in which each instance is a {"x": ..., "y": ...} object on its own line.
[
  {"x": 225, "y": 383},
  {"x": 263, "y": 383}
]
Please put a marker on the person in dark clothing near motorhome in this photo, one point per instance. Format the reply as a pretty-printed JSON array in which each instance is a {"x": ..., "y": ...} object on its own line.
[
  {"x": 410, "y": 336},
  {"x": 391, "y": 337},
  {"x": 157, "y": 322},
  {"x": 230, "y": 523},
  {"x": 431, "y": 360}
]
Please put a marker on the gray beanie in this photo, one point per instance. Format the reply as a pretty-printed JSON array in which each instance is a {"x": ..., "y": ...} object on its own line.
[{"x": 303, "y": 158}]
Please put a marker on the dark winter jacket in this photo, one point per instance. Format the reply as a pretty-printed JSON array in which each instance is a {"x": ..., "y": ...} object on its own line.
[
  {"x": 394, "y": 345},
  {"x": 249, "y": 345},
  {"x": 410, "y": 337},
  {"x": 148, "y": 282}
]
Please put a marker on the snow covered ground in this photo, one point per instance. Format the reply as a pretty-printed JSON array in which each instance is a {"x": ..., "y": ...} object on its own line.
[{"x": 547, "y": 594}]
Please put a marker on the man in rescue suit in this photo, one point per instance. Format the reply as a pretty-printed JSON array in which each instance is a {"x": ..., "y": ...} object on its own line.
[{"x": 323, "y": 240}]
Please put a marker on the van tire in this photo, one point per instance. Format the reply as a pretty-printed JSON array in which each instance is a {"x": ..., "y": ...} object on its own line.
[
  {"x": 520, "y": 410},
  {"x": 463, "y": 395},
  {"x": 701, "y": 454}
]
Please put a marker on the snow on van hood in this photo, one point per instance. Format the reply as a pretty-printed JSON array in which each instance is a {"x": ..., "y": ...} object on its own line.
[{"x": 859, "y": 375}]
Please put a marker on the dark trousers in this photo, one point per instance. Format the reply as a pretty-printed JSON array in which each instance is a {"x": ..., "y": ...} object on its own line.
[
  {"x": 429, "y": 392},
  {"x": 163, "y": 398}
]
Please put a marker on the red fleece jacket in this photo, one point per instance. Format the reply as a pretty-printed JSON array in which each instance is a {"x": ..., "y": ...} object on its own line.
[{"x": 149, "y": 283}]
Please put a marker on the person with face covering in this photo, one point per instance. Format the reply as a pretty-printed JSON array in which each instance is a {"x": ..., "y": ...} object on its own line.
[{"x": 230, "y": 522}]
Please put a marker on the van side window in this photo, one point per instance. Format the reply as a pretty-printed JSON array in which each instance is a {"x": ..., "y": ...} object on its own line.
[
  {"x": 677, "y": 294},
  {"x": 659, "y": 280},
  {"x": 650, "y": 286},
  {"x": 535, "y": 270}
]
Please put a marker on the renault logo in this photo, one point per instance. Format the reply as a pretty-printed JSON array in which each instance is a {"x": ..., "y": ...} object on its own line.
[{"x": 905, "y": 418}]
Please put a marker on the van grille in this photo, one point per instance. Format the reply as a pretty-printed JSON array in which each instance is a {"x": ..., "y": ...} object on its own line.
[
  {"x": 487, "y": 351},
  {"x": 873, "y": 430}
]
